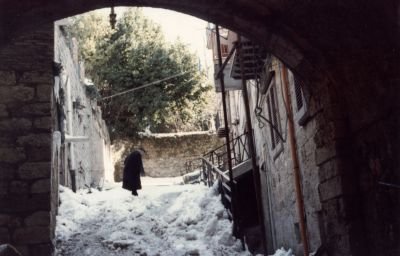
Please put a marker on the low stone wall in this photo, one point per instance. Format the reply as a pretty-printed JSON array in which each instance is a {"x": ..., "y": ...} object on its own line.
[{"x": 166, "y": 154}]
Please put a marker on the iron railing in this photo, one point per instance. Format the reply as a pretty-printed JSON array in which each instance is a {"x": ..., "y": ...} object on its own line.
[
  {"x": 214, "y": 169},
  {"x": 211, "y": 174},
  {"x": 240, "y": 153},
  {"x": 192, "y": 165}
]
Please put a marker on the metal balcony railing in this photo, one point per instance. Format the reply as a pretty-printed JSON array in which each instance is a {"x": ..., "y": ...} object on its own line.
[
  {"x": 214, "y": 169},
  {"x": 240, "y": 153},
  {"x": 210, "y": 174}
]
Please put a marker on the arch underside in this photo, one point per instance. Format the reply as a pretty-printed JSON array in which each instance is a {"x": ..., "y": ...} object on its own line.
[
  {"x": 347, "y": 52},
  {"x": 308, "y": 37}
]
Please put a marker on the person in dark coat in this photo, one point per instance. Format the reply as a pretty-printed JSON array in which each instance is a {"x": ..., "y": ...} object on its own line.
[{"x": 133, "y": 169}]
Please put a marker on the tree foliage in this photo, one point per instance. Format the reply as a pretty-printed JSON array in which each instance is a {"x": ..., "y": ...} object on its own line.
[{"x": 136, "y": 54}]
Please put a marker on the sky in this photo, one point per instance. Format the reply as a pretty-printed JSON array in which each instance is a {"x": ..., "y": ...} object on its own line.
[{"x": 190, "y": 30}]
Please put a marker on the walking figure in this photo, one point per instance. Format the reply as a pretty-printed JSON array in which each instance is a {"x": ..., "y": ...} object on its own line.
[{"x": 133, "y": 169}]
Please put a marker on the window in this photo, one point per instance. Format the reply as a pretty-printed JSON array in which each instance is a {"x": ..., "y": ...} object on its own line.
[
  {"x": 273, "y": 116},
  {"x": 224, "y": 50},
  {"x": 298, "y": 92},
  {"x": 301, "y": 113}
]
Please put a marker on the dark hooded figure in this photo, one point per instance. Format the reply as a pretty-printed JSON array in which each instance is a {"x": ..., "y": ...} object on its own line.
[{"x": 132, "y": 170}]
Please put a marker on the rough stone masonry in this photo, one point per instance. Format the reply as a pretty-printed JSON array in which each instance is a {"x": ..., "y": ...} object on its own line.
[
  {"x": 27, "y": 204},
  {"x": 348, "y": 51}
]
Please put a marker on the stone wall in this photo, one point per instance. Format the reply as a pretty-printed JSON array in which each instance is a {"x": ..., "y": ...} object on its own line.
[
  {"x": 86, "y": 159},
  {"x": 276, "y": 168},
  {"x": 369, "y": 154},
  {"x": 166, "y": 154},
  {"x": 27, "y": 195},
  {"x": 348, "y": 152}
]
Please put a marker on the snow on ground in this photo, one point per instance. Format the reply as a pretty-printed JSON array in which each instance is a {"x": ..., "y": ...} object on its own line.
[
  {"x": 283, "y": 252},
  {"x": 163, "y": 220}
]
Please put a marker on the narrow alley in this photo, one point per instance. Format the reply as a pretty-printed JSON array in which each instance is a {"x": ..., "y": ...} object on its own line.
[
  {"x": 163, "y": 220},
  {"x": 283, "y": 116}
]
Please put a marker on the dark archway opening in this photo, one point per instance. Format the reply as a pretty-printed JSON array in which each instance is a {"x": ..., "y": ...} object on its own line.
[{"x": 348, "y": 54}]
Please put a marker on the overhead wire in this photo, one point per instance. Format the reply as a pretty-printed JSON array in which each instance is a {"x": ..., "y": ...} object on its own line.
[{"x": 144, "y": 86}]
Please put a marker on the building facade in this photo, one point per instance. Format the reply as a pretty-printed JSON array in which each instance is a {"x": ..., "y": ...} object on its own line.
[
  {"x": 85, "y": 155},
  {"x": 269, "y": 113}
]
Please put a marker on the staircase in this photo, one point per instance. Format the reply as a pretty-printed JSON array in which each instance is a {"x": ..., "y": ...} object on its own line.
[{"x": 237, "y": 195}]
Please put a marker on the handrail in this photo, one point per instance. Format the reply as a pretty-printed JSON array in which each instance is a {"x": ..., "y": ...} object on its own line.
[
  {"x": 216, "y": 169},
  {"x": 240, "y": 152},
  {"x": 227, "y": 189},
  {"x": 231, "y": 141}
]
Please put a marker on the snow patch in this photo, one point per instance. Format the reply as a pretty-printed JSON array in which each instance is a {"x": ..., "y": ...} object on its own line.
[
  {"x": 283, "y": 252},
  {"x": 162, "y": 220}
]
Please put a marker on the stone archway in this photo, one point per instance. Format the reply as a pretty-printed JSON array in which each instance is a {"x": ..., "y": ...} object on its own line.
[{"x": 347, "y": 52}]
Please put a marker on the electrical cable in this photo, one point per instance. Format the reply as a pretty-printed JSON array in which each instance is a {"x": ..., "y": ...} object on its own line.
[{"x": 144, "y": 86}]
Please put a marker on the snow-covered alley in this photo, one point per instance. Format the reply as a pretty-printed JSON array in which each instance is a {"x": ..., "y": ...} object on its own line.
[{"x": 162, "y": 220}]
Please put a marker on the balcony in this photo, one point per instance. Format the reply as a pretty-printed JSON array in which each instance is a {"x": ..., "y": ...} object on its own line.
[{"x": 231, "y": 84}]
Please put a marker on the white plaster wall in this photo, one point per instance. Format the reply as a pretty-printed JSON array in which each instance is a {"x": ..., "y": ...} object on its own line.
[{"x": 92, "y": 156}]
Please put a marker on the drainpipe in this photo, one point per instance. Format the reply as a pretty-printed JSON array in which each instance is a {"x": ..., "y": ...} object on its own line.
[
  {"x": 256, "y": 174},
  {"x": 296, "y": 165},
  {"x": 69, "y": 137},
  {"x": 69, "y": 120},
  {"x": 228, "y": 145}
]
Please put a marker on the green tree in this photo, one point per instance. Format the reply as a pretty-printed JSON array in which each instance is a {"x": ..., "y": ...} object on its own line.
[{"x": 135, "y": 54}]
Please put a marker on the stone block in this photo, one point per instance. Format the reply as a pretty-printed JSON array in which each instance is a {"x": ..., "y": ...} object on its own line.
[
  {"x": 32, "y": 235},
  {"x": 15, "y": 124},
  {"x": 43, "y": 123},
  {"x": 16, "y": 222},
  {"x": 8, "y": 140},
  {"x": 341, "y": 245},
  {"x": 35, "y": 140},
  {"x": 9, "y": 250},
  {"x": 3, "y": 187},
  {"x": 16, "y": 94},
  {"x": 321, "y": 137},
  {"x": 37, "y": 109},
  {"x": 41, "y": 218},
  {"x": 12, "y": 154},
  {"x": 4, "y": 235},
  {"x": 39, "y": 154},
  {"x": 41, "y": 186},
  {"x": 330, "y": 189},
  {"x": 329, "y": 170},
  {"x": 34, "y": 170},
  {"x": 7, "y": 78},
  {"x": 42, "y": 249},
  {"x": 36, "y": 77},
  {"x": 23, "y": 249},
  {"x": 13, "y": 203},
  {"x": 44, "y": 92},
  {"x": 6, "y": 172},
  {"x": 10, "y": 221},
  {"x": 19, "y": 187},
  {"x": 3, "y": 110},
  {"x": 339, "y": 129},
  {"x": 4, "y": 219},
  {"x": 324, "y": 154}
]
